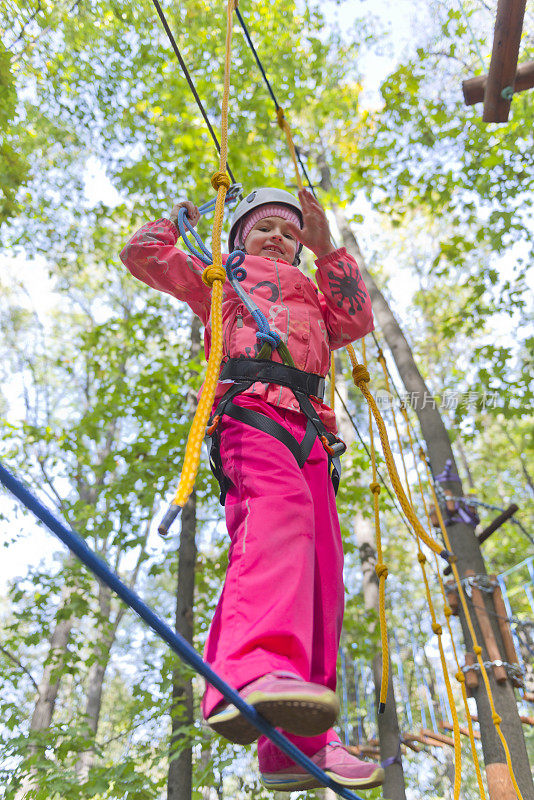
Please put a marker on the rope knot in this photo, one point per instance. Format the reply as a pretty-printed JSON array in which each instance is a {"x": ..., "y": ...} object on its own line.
[
  {"x": 421, "y": 558},
  {"x": 438, "y": 630},
  {"x": 460, "y": 677},
  {"x": 212, "y": 274},
  {"x": 380, "y": 357},
  {"x": 271, "y": 337},
  {"x": 447, "y": 611},
  {"x": 381, "y": 571},
  {"x": 422, "y": 454},
  {"x": 360, "y": 374},
  {"x": 477, "y": 650},
  {"x": 496, "y": 718},
  {"x": 375, "y": 487},
  {"x": 281, "y": 117},
  {"x": 219, "y": 179}
]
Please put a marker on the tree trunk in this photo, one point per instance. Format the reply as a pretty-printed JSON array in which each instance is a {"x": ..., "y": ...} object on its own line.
[
  {"x": 180, "y": 775},
  {"x": 97, "y": 672},
  {"x": 388, "y": 724},
  {"x": 463, "y": 542},
  {"x": 107, "y": 632},
  {"x": 465, "y": 464},
  {"x": 49, "y": 684}
]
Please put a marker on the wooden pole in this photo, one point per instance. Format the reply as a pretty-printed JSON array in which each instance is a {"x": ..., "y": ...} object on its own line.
[
  {"x": 453, "y": 598},
  {"x": 504, "y": 627},
  {"x": 487, "y": 631},
  {"x": 497, "y": 522},
  {"x": 503, "y": 65},
  {"x": 486, "y": 533},
  {"x": 524, "y": 720},
  {"x": 474, "y": 88},
  {"x": 471, "y": 675},
  {"x": 463, "y": 730},
  {"x": 435, "y": 739},
  {"x": 500, "y": 786}
]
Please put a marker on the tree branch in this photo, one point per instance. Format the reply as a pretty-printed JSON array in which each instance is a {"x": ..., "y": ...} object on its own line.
[{"x": 22, "y": 667}]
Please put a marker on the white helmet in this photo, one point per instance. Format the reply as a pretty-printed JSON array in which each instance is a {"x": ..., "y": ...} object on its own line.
[{"x": 261, "y": 197}]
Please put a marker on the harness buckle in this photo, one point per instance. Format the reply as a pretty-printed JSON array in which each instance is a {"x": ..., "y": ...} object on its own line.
[
  {"x": 210, "y": 430},
  {"x": 334, "y": 446}
]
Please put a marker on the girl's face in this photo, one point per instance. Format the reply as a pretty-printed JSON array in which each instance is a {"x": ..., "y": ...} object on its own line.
[{"x": 270, "y": 238}]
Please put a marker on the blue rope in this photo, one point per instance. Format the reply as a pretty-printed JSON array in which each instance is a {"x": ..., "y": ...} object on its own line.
[
  {"x": 176, "y": 642},
  {"x": 235, "y": 274},
  {"x": 183, "y": 222},
  {"x": 234, "y": 271},
  {"x": 272, "y": 338},
  {"x": 184, "y": 225}
]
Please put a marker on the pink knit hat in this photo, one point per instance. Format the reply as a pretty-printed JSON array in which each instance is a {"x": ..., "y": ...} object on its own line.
[{"x": 272, "y": 210}]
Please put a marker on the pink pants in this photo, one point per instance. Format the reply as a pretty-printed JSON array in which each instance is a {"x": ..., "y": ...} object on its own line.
[{"x": 281, "y": 606}]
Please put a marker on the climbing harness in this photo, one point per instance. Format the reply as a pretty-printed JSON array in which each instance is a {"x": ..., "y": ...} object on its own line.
[{"x": 244, "y": 372}]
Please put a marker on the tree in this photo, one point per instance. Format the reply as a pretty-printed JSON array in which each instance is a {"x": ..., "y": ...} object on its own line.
[
  {"x": 98, "y": 85},
  {"x": 179, "y": 783},
  {"x": 462, "y": 538},
  {"x": 105, "y": 442}
]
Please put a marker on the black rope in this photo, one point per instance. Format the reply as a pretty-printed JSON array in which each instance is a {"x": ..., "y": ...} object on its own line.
[
  {"x": 269, "y": 88},
  {"x": 189, "y": 81},
  {"x": 398, "y": 395},
  {"x": 382, "y": 481}
]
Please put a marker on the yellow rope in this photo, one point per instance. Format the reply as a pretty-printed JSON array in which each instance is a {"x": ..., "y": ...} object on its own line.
[
  {"x": 476, "y": 647},
  {"x": 380, "y": 568},
  {"x": 215, "y": 277},
  {"x": 438, "y": 631},
  {"x": 332, "y": 382},
  {"x": 283, "y": 123},
  {"x": 459, "y": 674},
  {"x": 382, "y": 361},
  {"x": 435, "y": 627},
  {"x": 361, "y": 379}
]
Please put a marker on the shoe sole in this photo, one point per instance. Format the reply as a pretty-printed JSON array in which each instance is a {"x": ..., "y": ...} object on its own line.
[
  {"x": 301, "y": 714},
  {"x": 291, "y": 782}
]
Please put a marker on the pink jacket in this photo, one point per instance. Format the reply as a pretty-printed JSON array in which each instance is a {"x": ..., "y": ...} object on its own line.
[{"x": 310, "y": 322}]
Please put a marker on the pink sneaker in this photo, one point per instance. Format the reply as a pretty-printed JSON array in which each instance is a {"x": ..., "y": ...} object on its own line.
[
  {"x": 286, "y": 701},
  {"x": 337, "y": 762}
]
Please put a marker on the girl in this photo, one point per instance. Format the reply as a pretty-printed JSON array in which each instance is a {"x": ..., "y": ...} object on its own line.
[{"x": 275, "y": 633}]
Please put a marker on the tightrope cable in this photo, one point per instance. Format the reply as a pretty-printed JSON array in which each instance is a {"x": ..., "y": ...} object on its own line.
[
  {"x": 190, "y": 81},
  {"x": 277, "y": 105},
  {"x": 177, "y": 643}
]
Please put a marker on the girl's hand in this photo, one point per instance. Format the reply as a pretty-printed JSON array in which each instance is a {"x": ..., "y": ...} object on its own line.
[
  {"x": 315, "y": 233},
  {"x": 193, "y": 214}
]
